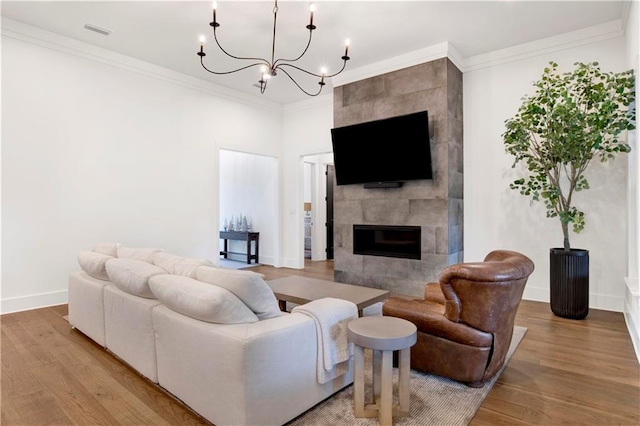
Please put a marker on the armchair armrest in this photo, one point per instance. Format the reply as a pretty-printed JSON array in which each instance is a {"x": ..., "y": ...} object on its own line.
[
  {"x": 428, "y": 318},
  {"x": 433, "y": 293}
]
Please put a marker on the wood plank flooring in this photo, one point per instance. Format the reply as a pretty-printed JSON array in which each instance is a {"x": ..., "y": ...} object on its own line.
[{"x": 564, "y": 371}]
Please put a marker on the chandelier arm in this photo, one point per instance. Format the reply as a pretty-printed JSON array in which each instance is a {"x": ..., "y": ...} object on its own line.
[
  {"x": 301, "y": 55},
  {"x": 300, "y": 87},
  {"x": 344, "y": 64},
  {"x": 309, "y": 72},
  {"x": 215, "y": 37},
  {"x": 227, "y": 72},
  {"x": 298, "y": 68}
]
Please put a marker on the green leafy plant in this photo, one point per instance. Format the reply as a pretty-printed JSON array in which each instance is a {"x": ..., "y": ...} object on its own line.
[{"x": 572, "y": 118}]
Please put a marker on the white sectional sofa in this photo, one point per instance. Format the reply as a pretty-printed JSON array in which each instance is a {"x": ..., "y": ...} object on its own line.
[{"x": 212, "y": 337}]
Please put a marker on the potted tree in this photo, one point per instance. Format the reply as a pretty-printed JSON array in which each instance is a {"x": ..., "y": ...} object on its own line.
[{"x": 571, "y": 119}]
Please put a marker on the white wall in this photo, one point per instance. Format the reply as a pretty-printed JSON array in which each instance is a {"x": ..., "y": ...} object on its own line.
[
  {"x": 306, "y": 131},
  {"x": 248, "y": 187},
  {"x": 632, "y": 296},
  {"x": 497, "y": 217},
  {"x": 99, "y": 151}
]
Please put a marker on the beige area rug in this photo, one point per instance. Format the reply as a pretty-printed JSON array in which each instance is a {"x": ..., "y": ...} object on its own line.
[{"x": 435, "y": 400}]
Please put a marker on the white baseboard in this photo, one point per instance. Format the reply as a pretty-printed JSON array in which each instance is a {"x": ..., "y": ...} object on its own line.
[
  {"x": 606, "y": 302},
  {"x": 34, "y": 301},
  {"x": 536, "y": 294},
  {"x": 596, "y": 301},
  {"x": 292, "y": 263},
  {"x": 633, "y": 334},
  {"x": 632, "y": 313}
]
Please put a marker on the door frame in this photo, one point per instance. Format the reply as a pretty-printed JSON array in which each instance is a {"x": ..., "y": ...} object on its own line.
[{"x": 318, "y": 216}]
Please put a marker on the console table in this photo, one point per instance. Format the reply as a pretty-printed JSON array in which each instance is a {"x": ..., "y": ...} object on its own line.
[{"x": 242, "y": 236}]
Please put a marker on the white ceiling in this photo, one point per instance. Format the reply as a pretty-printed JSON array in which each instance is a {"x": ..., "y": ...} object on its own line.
[{"x": 165, "y": 33}]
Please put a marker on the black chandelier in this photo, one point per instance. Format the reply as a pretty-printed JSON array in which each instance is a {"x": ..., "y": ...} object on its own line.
[{"x": 270, "y": 68}]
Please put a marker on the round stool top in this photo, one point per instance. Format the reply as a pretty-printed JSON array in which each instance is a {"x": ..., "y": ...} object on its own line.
[{"x": 382, "y": 333}]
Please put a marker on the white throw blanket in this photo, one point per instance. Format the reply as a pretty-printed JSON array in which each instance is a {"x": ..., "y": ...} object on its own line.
[{"x": 331, "y": 317}]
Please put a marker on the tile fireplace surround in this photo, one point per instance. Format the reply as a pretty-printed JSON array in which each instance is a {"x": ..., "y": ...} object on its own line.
[{"x": 436, "y": 206}]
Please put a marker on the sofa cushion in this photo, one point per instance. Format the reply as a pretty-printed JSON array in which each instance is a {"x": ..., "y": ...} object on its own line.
[
  {"x": 94, "y": 264},
  {"x": 132, "y": 276},
  {"x": 178, "y": 265},
  {"x": 144, "y": 254},
  {"x": 200, "y": 300},
  {"x": 107, "y": 248},
  {"x": 246, "y": 285}
]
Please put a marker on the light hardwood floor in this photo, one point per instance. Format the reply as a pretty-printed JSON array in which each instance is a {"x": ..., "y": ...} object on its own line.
[{"x": 564, "y": 371}]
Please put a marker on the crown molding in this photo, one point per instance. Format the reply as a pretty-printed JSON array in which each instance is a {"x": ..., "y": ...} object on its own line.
[
  {"x": 311, "y": 103},
  {"x": 605, "y": 31},
  {"x": 417, "y": 57},
  {"x": 43, "y": 38}
]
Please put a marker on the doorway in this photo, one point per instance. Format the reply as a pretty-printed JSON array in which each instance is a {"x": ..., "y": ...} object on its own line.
[
  {"x": 315, "y": 206},
  {"x": 248, "y": 200}
]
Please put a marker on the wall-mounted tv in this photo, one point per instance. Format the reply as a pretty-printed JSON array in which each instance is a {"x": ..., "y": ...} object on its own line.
[{"x": 383, "y": 153}]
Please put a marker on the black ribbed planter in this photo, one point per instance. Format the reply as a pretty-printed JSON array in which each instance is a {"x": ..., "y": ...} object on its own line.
[{"x": 569, "y": 281}]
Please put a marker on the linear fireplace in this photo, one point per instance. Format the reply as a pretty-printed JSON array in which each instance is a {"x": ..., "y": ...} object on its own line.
[{"x": 388, "y": 241}]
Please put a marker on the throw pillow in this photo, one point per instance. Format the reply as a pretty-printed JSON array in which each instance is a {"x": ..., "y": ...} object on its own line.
[
  {"x": 132, "y": 276},
  {"x": 144, "y": 254},
  {"x": 107, "y": 248},
  {"x": 178, "y": 265},
  {"x": 94, "y": 264},
  {"x": 200, "y": 300},
  {"x": 246, "y": 285}
]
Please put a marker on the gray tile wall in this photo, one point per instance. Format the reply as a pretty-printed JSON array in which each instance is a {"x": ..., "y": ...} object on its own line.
[{"x": 434, "y": 205}]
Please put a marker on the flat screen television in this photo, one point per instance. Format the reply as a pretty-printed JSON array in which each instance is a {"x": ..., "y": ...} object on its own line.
[{"x": 383, "y": 153}]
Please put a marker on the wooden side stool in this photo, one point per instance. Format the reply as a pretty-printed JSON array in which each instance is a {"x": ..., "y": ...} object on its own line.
[{"x": 382, "y": 335}]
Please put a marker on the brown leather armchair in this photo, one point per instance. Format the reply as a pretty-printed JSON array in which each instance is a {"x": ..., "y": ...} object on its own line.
[{"x": 465, "y": 323}]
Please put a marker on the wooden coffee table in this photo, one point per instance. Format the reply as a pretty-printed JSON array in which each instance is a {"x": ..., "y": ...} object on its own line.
[{"x": 301, "y": 290}]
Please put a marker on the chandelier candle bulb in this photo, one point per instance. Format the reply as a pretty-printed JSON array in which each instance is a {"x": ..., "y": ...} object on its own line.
[
  {"x": 201, "y": 52},
  {"x": 214, "y": 6},
  {"x": 312, "y": 8}
]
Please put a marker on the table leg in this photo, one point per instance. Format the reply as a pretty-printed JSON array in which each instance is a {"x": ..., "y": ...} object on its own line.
[
  {"x": 377, "y": 355},
  {"x": 358, "y": 381},
  {"x": 257, "y": 240},
  {"x": 404, "y": 367},
  {"x": 282, "y": 304},
  {"x": 248, "y": 250},
  {"x": 386, "y": 401}
]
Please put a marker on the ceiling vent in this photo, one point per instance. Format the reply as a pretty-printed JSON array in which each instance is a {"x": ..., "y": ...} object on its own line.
[{"x": 96, "y": 29}]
